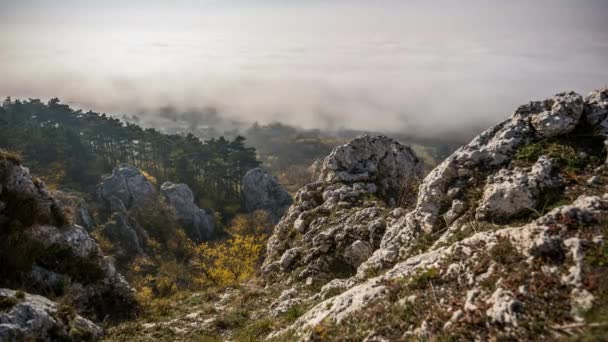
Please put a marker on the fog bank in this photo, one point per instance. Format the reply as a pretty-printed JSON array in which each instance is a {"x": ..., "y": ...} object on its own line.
[{"x": 427, "y": 68}]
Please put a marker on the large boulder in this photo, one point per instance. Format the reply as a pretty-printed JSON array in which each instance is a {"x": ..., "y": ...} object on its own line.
[
  {"x": 336, "y": 222},
  {"x": 128, "y": 185},
  {"x": 28, "y": 317},
  {"x": 379, "y": 160},
  {"x": 262, "y": 191},
  {"x": 512, "y": 192},
  {"x": 42, "y": 244},
  {"x": 198, "y": 224}
]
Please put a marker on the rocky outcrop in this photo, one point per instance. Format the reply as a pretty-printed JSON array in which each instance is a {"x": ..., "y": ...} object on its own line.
[
  {"x": 337, "y": 222},
  {"x": 489, "y": 159},
  {"x": 126, "y": 184},
  {"x": 198, "y": 224},
  {"x": 482, "y": 254},
  {"x": 511, "y": 192},
  {"x": 27, "y": 317},
  {"x": 382, "y": 161},
  {"x": 471, "y": 279},
  {"x": 41, "y": 245},
  {"x": 76, "y": 209},
  {"x": 126, "y": 233},
  {"x": 262, "y": 191}
]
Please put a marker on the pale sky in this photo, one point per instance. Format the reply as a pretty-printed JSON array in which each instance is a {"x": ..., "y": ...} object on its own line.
[{"x": 424, "y": 67}]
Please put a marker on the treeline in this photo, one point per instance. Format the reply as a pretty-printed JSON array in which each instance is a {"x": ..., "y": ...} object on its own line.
[{"x": 73, "y": 148}]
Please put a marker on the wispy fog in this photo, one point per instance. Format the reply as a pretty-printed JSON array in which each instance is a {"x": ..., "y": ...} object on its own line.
[{"x": 420, "y": 67}]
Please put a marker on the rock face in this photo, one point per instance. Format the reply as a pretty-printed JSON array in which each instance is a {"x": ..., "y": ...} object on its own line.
[
  {"x": 262, "y": 191},
  {"x": 379, "y": 160},
  {"x": 76, "y": 209},
  {"x": 509, "y": 193},
  {"x": 338, "y": 221},
  {"x": 126, "y": 184},
  {"x": 27, "y": 317},
  {"x": 487, "y": 159},
  {"x": 39, "y": 248},
  {"x": 508, "y": 226},
  {"x": 198, "y": 224},
  {"x": 126, "y": 233}
]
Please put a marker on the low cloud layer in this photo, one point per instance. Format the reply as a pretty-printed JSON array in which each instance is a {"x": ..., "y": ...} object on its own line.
[{"x": 427, "y": 68}]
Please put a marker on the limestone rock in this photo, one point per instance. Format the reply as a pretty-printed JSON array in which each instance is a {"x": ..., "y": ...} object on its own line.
[
  {"x": 46, "y": 247},
  {"x": 504, "y": 308},
  {"x": 125, "y": 233},
  {"x": 379, "y": 160},
  {"x": 127, "y": 184},
  {"x": 262, "y": 191},
  {"x": 596, "y": 107},
  {"x": 556, "y": 116},
  {"x": 76, "y": 209},
  {"x": 342, "y": 217},
  {"x": 198, "y": 224},
  {"x": 28, "y": 317},
  {"x": 509, "y": 193}
]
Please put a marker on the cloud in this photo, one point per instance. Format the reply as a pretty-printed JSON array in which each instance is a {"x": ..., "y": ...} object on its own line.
[{"x": 417, "y": 67}]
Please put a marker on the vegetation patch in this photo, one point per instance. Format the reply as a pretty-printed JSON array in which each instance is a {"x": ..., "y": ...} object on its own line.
[{"x": 7, "y": 303}]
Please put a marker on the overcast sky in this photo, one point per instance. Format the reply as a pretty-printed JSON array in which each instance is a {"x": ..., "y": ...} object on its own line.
[{"x": 421, "y": 66}]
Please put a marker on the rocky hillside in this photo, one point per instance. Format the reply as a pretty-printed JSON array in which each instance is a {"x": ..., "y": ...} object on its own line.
[
  {"x": 502, "y": 240},
  {"x": 43, "y": 252},
  {"x": 506, "y": 239}
]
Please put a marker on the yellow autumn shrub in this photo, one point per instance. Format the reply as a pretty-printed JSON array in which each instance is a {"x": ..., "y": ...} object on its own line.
[{"x": 231, "y": 261}]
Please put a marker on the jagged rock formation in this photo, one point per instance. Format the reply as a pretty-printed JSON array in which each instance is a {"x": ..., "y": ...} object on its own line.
[
  {"x": 126, "y": 184},
  {"x": 505, "y": 240},
  {"x": 491, "y": 154},
  {"x": 337, "y": 222},
  {"x": 463, "y": 262},
  {"x": 476, "y": 277},
  {"x": 262, "y": 191},
  {"x": 198, "y": 224},
  {"x": 27, "y": 317},
  {"x": 43, "y": 252}
]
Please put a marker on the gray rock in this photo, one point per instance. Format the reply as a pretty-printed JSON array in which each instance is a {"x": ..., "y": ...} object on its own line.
[
  {"x": 593, "y": 181},
  {"x": 509, "y": 193},
  {"x": 556, "y": 116},
  {"x": 126, "y": 233},
  {"x": 262, "y": 191},
  {"x": 36, "y": 318},
  {"x": 198, "y": 224},
  {"x": 596, "y": 107},
  {"x": 63, "y": 250},
  {"x": 357, "y": 253},
  {"x": 76, "y": 209},
  {"x": 342, "y": 217},
  {"x": 379, "y": 160},
  {"x": 127, "y": 184},
  {"x": 288, "y": 258},
  {"x": 504, "y": 309}
]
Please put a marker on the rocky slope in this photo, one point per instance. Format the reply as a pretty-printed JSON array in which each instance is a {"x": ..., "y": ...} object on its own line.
[
  {"x": 338, "y": 221},
  {"x": 43, "y": 252},
  {"x": 504, "y": 240}
]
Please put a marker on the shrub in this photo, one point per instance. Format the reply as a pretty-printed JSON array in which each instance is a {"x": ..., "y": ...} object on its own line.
[{"x": 232, "y": 261}]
